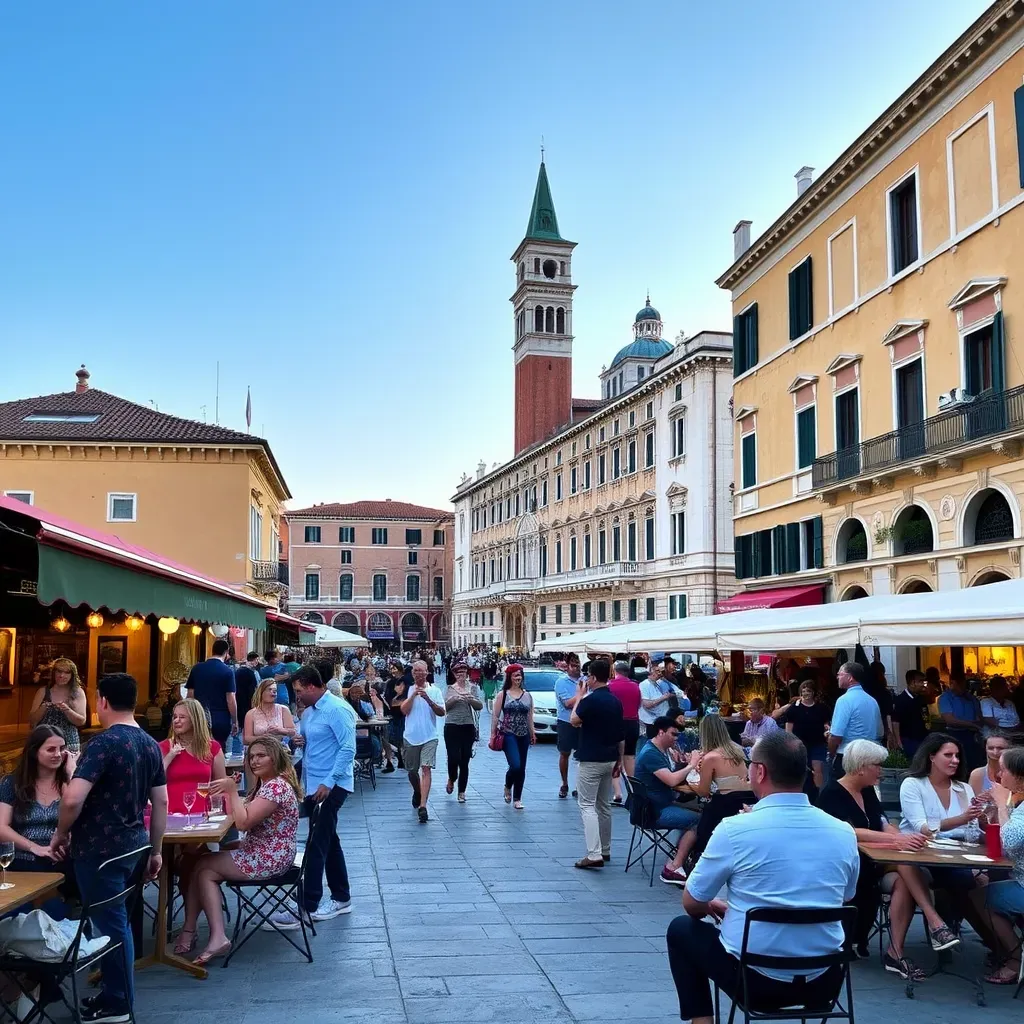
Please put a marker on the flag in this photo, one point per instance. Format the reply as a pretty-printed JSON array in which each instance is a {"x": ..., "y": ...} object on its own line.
[{"x": 248, "y": 409}]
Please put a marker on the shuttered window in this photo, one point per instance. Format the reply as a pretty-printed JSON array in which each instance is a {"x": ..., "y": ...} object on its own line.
[
  {"x": 1018, "y": 109},
  {"x": 744, "y": 341},
  {"x": 806, "y": 437},
  {"x": 801, "y": 307},
  {"x": 748, "y": 450}
]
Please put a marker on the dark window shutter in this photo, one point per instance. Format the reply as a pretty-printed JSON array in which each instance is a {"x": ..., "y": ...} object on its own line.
[
  {"x": 806, "y": 439},
  {"x": 792, "y": 547},
  {"x": 751, "y": 334},
  {"x": 819, "y": 551},
  {"x": 739, "y": 568},
  {"x": 748, "y": 447},
  {"x": 779, "y": 549},
  {"x": 738, "y": 349},
  {"x": 794, "y": 304},
  {"x": 998, "y": 347},
  {"x": 808, "y": 296},
  {"x": 1018, "y": 107},
  {"x": 755, "y": 561}
]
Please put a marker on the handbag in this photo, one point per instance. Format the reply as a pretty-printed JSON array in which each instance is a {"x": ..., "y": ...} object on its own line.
[{"x": 497, "y": 741}]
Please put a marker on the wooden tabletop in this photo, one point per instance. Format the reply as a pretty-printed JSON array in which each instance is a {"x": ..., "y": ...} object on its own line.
[
  {"x": 214, "y": 832},
  {"x": 965, "y": 856},
  {"x": 28, "y": 886},
  {"x": 373, "y": 723}
]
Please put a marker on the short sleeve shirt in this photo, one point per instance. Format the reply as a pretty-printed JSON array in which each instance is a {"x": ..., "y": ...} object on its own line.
[
  {"x": 856, "y": 717},
  {"x": 123, "y": 764},
  {"x": 602, "y": 729},
  {"x": 649, "y": 761},
  {"x": 422, "y": 723},
  {"x": 211, "y": 681},
  {"x": 565, "y": 689},
  {"x": 36, "y": 823},
  {"x": 808, "y": 723}
]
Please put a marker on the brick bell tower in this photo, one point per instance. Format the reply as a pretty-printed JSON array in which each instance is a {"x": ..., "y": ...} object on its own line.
[{"x": 543, "y": 323}]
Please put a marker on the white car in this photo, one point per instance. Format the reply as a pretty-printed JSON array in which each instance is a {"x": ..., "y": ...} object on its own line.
[{"x": 541, "y": 684}]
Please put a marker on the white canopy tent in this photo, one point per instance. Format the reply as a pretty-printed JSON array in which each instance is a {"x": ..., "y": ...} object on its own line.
[{"x": 328, "y": 636}]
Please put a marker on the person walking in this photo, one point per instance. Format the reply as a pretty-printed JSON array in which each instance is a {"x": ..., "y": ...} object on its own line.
[
  {"x": 513, "y": 717},
  {"x": 102, "y": 808},
  {"x": 566, "y": 686},
  {"x": 462, "y": 701},
  {"x": 327, "y": 736},
  {"x": 855, "y": 717},
  {"x": 601, "y": 748},
  {"x": 212, "y": 683},
  {"x": 628, "y": 693},
  {"x": 422, "y": 708},
  {"x": 395, "y": 691},
  {"x": 247, "y": 682}
]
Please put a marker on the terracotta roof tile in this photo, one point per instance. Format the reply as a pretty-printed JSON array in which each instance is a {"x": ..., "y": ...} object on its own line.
[{"x": 386, "y": 509}]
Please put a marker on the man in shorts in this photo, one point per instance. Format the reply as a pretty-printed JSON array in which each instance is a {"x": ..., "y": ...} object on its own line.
[
  {"x": 566, "y": 687},
  {"x": 423, "y": 709}
]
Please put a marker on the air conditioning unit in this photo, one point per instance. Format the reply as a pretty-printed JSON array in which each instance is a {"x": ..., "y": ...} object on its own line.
[{"x": 954, "y": 397}]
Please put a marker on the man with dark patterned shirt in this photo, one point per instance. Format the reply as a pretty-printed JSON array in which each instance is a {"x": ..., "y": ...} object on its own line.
[{"x": 102, "y": 809}]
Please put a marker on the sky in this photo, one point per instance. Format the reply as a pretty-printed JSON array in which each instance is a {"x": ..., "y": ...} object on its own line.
[{"x": 324, "y": 197}]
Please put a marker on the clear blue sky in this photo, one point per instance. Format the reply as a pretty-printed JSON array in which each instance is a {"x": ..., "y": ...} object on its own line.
[{"x": 328, "y": 193}]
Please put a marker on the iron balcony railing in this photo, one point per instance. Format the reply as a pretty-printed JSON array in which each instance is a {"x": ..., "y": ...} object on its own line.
[
  {"x": 271, "y": 572},
  {"x": 989, "y": 414}
]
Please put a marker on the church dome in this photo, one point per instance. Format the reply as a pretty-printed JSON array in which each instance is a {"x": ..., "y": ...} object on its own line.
[
  {"x": 642, "y": 348},
  {"x": 647, "y": 313}
]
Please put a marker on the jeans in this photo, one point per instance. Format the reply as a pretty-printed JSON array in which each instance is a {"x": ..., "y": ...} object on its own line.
[
  {"x": 697, "y": 957},
  {"x": 220, "y": 728},
  {"x": 118, "y": 985},
  {"x": 516, "y": 748},
  {"x": 1006, "y": 898},
  {"x": 594, "y": 786},
  {"x": 324, "y": 852},
  {"x": 458, "y": 741},
  {"x": 677, "y": 817}
]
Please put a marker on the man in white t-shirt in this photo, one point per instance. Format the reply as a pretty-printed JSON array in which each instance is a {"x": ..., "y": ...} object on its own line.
[
  {"x": 656, "y": 699},
  {"x": 423, "y": 710}
]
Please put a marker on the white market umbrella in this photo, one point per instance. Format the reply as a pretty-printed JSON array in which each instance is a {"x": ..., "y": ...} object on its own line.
[{"x": 328, "y": 636}]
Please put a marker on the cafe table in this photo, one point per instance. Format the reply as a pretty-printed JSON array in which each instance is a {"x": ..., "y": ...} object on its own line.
[
  {"x": 175, "y": 837},
  {"x": 941, "y": 854},
  {"x": 28, "y": 887}
]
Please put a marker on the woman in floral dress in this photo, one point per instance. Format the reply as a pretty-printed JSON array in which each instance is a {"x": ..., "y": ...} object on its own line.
[{"x": 269, "y": 817}]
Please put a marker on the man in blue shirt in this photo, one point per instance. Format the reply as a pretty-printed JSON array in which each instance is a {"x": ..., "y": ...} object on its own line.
[
  {"x": 328, "y": 739},
  {"x": 855, "y": 717},
  {"x": 961, "y": 714},
  {"x": 565, "y": 698},
  {"x": 212, "y": 683},
  {"x": 754, "y": 855},
  {"x": 276, "y": 669}
]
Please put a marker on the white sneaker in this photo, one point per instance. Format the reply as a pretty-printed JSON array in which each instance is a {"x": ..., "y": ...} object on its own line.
[
  {"x": 285, "y": 922},
  {"x": 330, "y": 909}
]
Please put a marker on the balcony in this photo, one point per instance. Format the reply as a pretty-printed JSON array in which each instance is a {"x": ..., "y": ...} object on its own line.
[
  {"x": 988, "y": 421},
  {"x": 268, "y": 577}
]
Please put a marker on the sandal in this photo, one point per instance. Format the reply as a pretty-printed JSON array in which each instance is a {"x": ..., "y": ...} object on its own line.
[
  {"x": 449, "y": 787},
  {"x": 563, "y": 792},
  {"x": 182, "y": 948},
  {"x": 518, "y": 805},
  {"x": 1006, "y": 975},
  {"x": 508, "y": 796},
  {"x": 462, "y": 798},
  {"x": 212, "y": 954}
]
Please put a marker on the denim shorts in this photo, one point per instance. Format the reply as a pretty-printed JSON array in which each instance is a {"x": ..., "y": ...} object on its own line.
[
  {"x": 819, "y": 753},
  {"x": 676, "y": 817},
  {"x": 1006, "y": 898}
]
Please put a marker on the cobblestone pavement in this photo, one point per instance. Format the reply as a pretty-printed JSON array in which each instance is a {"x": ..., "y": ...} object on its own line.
[{"x": 479, "y": 916}]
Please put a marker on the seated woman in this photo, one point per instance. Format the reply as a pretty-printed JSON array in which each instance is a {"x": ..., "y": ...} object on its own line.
[
  {"x": 1005, "y": 900},
  {"x": 267, "y": 717},
  {"x": 366, "y": 708},
  {"x": 269, "y": 817},
  {"x": 191, "y": 755},
  {"x": 853, "y": 799},
  {"x": 984, "y": 778}
]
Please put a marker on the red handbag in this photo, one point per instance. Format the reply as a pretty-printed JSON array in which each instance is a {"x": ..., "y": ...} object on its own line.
[{"x": 497, "y": 741}]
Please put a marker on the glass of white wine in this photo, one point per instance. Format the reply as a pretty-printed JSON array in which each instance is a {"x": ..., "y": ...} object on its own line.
[
  {"x": 188, "y": 798},
  {"x": 6, "y": 856}
]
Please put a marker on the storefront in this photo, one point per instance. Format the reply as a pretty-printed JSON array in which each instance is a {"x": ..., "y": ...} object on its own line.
[{"x": 287, "y": 631}]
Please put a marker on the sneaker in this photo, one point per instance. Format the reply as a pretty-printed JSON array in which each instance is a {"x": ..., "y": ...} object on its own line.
[
  {"x": 330, "y": 909},
  {"x": 416, "y": 799},
  {"x": 284, "y": 922},
  {"x": 673, "y": 876},
  {"x": 942, "y": 938},
  {"x": 388, "y": 769},
  {"x": 106, "y": 1013},
  {"x": 905, "y": 968},
  {"x": 424, "y": 817}
]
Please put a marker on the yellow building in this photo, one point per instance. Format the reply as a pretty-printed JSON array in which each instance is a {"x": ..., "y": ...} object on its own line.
[
  {"x": 879, "y": 345},
  {"x": 200, "y": 494}
]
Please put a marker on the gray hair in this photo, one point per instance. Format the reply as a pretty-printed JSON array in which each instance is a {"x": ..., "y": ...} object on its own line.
[
  {"x": 862, "y": 753},
  {"x": 621, "y": 668}
]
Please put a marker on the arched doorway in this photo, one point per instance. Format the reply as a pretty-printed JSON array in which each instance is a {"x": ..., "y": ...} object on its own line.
[
  {"x": 314, "y": 617},
  {"x": 988, "y": 519},
  {"x": 851, "y": 542},
  {"x": 992, "y": 576},
  {"x": 853, "y": 593},
  {"x": 912, "y": 532},
  {"x": 346, "y": 621},
  {"x": 412, "y": 628},
  {"x": 915, "y": 587}
]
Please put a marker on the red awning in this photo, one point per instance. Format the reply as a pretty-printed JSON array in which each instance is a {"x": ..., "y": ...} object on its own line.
[
  {"x": 290, "y": 620},
  {"x": 777, "y": 597}
]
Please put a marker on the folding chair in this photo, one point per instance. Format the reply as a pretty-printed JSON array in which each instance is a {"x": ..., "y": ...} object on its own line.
[
  {"x": 642, "y": 816},
  {"x": 50, "y": 975},
  {"x": 364, "y": 766},
  {"x": 272, "y": 896},
  {"x": 802, "y": 1011}
]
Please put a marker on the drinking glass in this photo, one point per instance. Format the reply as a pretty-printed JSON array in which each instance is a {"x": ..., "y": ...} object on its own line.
[
  {"x": 216, "y": 805},
  {"x": 933, "y": 824},
  {"x": 6, "y": 856},
  {"x": 203, "y": 790},
  {"x": 188, "y": 798}
]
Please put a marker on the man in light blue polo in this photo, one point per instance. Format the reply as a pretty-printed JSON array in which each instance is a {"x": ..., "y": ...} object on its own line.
[
  {"x": 568, "y": 735},
  {"x": 856, "y": 716},
  {"x": 784, "y": 854}
]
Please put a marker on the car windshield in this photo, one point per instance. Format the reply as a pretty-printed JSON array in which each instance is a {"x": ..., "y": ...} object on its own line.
[{"x": 540, "y": 681}]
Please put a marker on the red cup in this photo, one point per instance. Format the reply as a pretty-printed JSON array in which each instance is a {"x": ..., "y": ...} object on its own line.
[{"x": 993, "y": 842}]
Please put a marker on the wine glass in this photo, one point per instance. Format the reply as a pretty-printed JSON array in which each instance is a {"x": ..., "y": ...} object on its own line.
[
  {"x": 6, "y": 856},
  {"x": 203, "y": 790},
  {"x": 188, "y": 798}
]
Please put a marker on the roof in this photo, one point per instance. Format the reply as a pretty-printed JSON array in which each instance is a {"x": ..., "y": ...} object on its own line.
[
  {"x": 543, "y": 223},
  {"x": 386, "y": 509},
  {"x": 102, "y": 417},
  {"x": 956, "y": 62},
  {"x": 642, "y": 348},
  {"x": 647, "y": 313}
]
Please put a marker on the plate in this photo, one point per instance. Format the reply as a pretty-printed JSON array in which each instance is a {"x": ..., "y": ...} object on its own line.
[{"x": 949, "y": 844}]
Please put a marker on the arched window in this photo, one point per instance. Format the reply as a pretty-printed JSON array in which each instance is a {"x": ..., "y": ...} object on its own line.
[
  {"x": 346, "y": 621},
  {"x": 560, "y": 321},
  {"x": 561, "y": 268},
  {"x": 915, "y": 586},
  {"x": 412, "y": 626},
  {"x": 538, "y": 319},
  {"x": 851, "y": 542},
  {"x": 854, "y": 594},
  {"x": 549, "y": 324},
  {"x": 522, "y": 271},
  {"x": 345, "y": 592},
  {"x": 314, "y": 617},
  {"x": 988, "y": 519},
  {"x": 536, "y": 266},
  {"x": 912, "y": 532}
]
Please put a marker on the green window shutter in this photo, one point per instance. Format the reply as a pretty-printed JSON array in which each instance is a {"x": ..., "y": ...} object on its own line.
[
  {"x": 748, "y": 447},
  {"x": 998, "y": 349},
  {"x": 751, "y": 336},
  {"x": 779, "y": 549},
  {"x": 792, "y": 547},
  {"x": 794, "y": 304},
  {"x": 737, "y": 346},
  {"x": 1018, "y": 107},
  {"x": 682, "y": 606},
  {"x": 806, "y": 437},
  {"x": 819, "y": 549},
  {"x": 808, "y": 297},
  {"x": 738, "y": 567}
]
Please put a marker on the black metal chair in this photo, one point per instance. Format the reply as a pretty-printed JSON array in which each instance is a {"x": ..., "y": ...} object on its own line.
[
  {"x": 749, "y": 961},
  {"x": 364, "y": 762},
  {"x": 647, "y": 837},
  {"x": 49, "y": 975},
  {"x": 272, "y": 896}
]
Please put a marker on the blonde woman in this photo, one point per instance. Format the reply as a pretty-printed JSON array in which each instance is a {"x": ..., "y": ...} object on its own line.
[
  {"x": 61, "y": 704},
  {"x": 269, "y": 817},
  {"x": 191, "y": 755},
  {"x": 267, "y": 717},
  {"x": 720, "y": 762}
]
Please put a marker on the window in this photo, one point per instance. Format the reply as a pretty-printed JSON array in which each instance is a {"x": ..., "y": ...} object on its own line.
[
  {"x": 255, "y": 534},
  {"x": 616, "y": 463},
  {"x": 632, "y": 417},
  {"x": 558, "y": 614},
  {"x": 439, "y": 538},
  {"x": 413, "y": 536},
  {"x": 558, "y": 457},
  {"x": 649, "y": 538},
  {"x": 121, "y": 508},
  {"x": 586, "y": 611},
  {"x": 414, "y": 557},
  {"x": 616, "y": 611},
  {"x": 558, "y": 487},
  {"x": 848, "y": 433},
  {"x": 631, "y": 542},
  {"x": 602, "y": 547},
  {"x": 491, "y": 622},
  {"x": 346, "y": 535},
  {"x": 801, "y": 306},
  {"x": 649, "y": 610},
  {"x": 345, "y": 588},
  {"x": 678, "y": 437},
  {"x": 983, "y": 358},
  {"x": 748, "y": 456},
  {"x": 633, "y": 610},
  {"x": 903, "y": 233},
  {"x": 312, "y": 586},
  {"x": 586, "y": 551},
  {"x": 543, "y": 614},
  {"x": 806, "y": 437},
  {"x": 639, "y": 378},
  {"x": 631, "y": 457},
  {"x": 543, "y": 558},
  {"x": 25, "y": 497},
  {"x": 572, "y": 552},
  {"x": 600, "y": 469},
  {"x": 677, "y": 606},
  {"x": 379, "y": 535},
  {"x": 677, "y": 395},
  {"x": 586, "y": 443},
  {"x": 615, "y": 427},
  {"x": 380, "y": 587},
  {"x": 573, "y": 449},
  {"x": 558, "y": 556},
  {"x": 616, "y": 543},
  {"x": 649, "y": 411},
  {"x": 600, "y": 435},
  {"x": 602, "y": 611},
  {"x": 572, "y": 613},
  {"x": 586, "y": 475},
  {"x": 572, "y": 480},
  {"x": 678, "y": 520},
  {"x": 346, "y": 558},
  {"x": 543, "y": 492},
  {"x": 744, "y": 343},
  {"x": 439, "y": 592},
  {"x": 649, "y": 449},
  {"x": 412, "y": 588}
]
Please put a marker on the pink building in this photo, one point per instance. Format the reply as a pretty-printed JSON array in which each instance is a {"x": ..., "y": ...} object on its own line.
[{"x": 379, "y": 568}]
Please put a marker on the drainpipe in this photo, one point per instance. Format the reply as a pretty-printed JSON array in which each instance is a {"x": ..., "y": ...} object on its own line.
[{"x": 714, "y": 486}]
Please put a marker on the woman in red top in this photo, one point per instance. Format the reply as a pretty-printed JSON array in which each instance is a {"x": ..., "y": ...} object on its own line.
[{"x": 191, "y": 755}]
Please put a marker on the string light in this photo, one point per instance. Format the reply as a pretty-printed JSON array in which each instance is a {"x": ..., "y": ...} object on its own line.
[
  {"x": 133, "y": 623},
  {"x": 60, "y": 624},
  {"x": 168, "y": 625},
  {"x": 94, "y": 620}
]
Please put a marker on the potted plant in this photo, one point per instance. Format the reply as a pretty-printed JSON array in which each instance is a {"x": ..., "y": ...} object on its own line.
[{"x": 894, "y": 770}]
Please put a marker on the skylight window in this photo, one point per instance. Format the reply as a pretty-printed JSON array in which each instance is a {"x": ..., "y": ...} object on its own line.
[{"x": 62, "y": 417}]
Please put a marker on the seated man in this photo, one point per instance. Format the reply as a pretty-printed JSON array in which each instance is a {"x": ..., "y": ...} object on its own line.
[
  {"x": 783, "y": 853},
  {"x": 660, "y": 768},
  {"x": 758, "y": 725}
]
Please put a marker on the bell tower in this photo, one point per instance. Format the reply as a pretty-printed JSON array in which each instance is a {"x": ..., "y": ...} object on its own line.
[{"x": 542, "y": 305}]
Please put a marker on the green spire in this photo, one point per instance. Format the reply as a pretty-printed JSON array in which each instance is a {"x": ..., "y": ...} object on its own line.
[{"x": 543, "y": 222}]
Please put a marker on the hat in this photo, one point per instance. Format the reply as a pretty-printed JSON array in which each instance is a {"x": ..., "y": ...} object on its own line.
[{"x": 460, "y": 664}]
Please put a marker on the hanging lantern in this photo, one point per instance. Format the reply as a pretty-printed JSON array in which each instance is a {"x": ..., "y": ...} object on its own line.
[
  {"x": 168, "y": 625},
  {"x": 60, "y": 624},
  {"x": 133, "y": 623},
  {"x": 94, "y": 620},
  {"x": 219, "y": 630},
  {"x": 196, "y": 630}
]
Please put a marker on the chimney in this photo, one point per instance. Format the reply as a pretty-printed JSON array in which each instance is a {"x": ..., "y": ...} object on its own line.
[
  {"x": 83, "y": 379},
  {"x": 481, "y": 468},
  {"x": 740, "y": 239},
  {"x": 804, "y": 177}
]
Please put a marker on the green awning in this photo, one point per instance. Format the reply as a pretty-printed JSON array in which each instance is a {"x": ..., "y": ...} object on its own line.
[{"x": 65, "y": 576}]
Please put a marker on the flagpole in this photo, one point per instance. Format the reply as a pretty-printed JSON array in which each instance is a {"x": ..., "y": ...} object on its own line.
[{"x": 216, "y": 407}]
